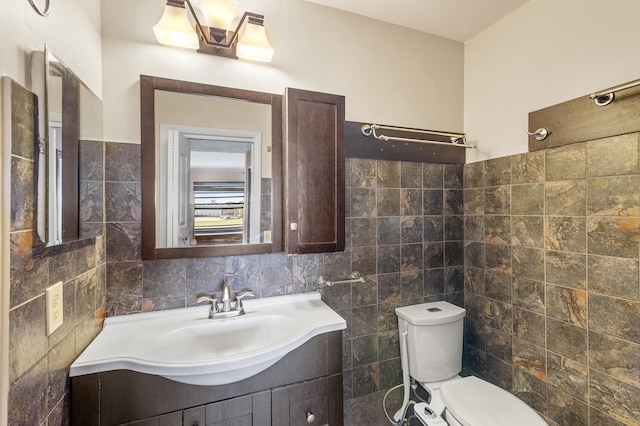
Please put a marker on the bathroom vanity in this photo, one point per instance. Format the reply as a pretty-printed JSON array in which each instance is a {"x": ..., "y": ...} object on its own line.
[
  {"x": 306, "y": 382},
  {"x": 178, "y": 367}
]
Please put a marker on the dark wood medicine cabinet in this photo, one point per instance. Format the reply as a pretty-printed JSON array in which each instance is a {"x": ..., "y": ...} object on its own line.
[
  {"x": 152, "y": 89},
  {"x": 314, "y": 202},
  {"x": 307, "y": 171}
]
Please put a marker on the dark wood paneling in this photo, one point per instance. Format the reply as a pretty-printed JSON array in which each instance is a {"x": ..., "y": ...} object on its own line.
[
  {"x": 194, "y": 416},
  {"x": 262, "y": 409},
  {"x": 85, "y": 400},
  {"x": 361, "y": 146},
  {"x": 148, "y": 166},
  {"x": 321, "y": 397},
  {"x": 336, "y": 400},
  {"x": 314, "y": 182},
  {"x": 280, "y": 405},
  {"x": 70, "y": 155},
  {"x": 580, "y": 120}
]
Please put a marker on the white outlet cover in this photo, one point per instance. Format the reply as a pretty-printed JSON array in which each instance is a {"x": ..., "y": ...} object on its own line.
[{"x": 55, "y": 307}]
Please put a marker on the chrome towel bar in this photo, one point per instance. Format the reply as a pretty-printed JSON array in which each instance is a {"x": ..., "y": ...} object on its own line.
[
  {"x": 355, "y": 278},
  {"x": 455, "y": 139}
]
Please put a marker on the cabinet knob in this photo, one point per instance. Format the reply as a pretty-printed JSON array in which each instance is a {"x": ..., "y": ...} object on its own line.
[{"x": 310, "y": 417}]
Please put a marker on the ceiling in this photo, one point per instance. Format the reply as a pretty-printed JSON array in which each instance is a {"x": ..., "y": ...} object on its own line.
[{"x": 454, "y": 19}]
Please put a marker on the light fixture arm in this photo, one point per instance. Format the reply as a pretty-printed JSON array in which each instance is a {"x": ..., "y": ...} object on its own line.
[
  {"x": 42, "y": 12},
  {"x": 193, "y": 13},
  {"x": 226, "y": 45}
]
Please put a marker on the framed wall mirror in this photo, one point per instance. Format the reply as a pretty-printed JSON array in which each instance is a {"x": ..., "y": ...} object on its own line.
[
  {"x": 211, "y": 170},
  {"x": 70, "y": 114}
]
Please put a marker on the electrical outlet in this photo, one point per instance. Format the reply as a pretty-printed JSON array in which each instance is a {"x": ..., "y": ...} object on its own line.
[
  {"x": 267, "y": 236},
  {"x": 54, "y": 307}
]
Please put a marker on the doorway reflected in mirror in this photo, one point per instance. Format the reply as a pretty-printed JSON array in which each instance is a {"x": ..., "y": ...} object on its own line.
[
  {"x": 236, "y": 160},
  {"x": 211, "y": 164}
]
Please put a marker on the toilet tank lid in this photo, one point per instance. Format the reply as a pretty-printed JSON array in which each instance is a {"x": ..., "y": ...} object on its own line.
[{"x": 432, "y": 313}]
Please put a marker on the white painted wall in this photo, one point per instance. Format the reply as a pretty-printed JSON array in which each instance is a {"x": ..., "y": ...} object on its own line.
[
  {"x": 388, "y": 74},
  {"x": 544, "y": 53},
  {"x": 72, "y": 31}
]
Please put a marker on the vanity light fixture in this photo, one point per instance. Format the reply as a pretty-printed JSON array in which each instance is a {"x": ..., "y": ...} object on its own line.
[{"x": 248, "y": 40}]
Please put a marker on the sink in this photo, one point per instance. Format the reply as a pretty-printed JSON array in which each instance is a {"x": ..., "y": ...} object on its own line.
[
  {"x": 206, "y": 339},
  {"x": 185, "y": 346}
]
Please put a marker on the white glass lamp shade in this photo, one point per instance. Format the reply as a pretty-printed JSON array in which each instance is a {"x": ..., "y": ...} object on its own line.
[
  {"x": 174, "y": 29},
  {"x": 220, "y": 13},
  {"x": 254, "y": 45}
]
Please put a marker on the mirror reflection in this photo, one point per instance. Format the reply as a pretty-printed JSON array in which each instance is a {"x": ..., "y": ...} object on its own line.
[
  {"x": 71, "y": 115},
  {"x": 56, "y": 74},
  {"x": 214, "y": 162}
]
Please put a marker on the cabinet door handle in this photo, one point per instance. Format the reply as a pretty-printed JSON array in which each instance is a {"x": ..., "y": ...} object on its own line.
[{"x": 310, "y": 417}]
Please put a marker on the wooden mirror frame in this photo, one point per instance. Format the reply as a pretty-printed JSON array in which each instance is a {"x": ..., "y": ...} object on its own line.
[{"x": 148, "y": 86}]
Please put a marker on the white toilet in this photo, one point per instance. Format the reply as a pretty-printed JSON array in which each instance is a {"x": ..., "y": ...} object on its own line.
[{"x": 432, "y": 335}]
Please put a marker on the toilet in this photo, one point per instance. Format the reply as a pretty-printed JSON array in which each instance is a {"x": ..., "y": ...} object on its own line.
[{"x": 432, "y": 337}]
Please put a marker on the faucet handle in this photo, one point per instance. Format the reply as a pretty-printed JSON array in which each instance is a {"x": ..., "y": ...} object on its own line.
[
  {"x": 242, "y": 294},
  {"x": 206, "y": 298},
  {"x": 245, "y": 293}
]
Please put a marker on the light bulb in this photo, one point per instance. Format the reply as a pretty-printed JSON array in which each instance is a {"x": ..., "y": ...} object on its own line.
[
  {"x": 253, "y": 44},
  {"x": 174, "y": 29},
  {"x": 220, "y": 13}
]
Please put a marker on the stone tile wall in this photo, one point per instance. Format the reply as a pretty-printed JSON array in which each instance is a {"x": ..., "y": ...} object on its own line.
[
  {"x": 552, "y": 285},
  {"x": 39, "y": 364},
  {"x": 404, "y": 234}
]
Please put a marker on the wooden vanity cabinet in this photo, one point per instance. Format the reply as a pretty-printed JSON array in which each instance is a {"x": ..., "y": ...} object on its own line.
[{"x": 314, "y": 158}]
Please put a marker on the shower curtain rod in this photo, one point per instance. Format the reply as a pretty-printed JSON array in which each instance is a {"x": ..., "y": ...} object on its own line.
[
  {"x": 607, "y": 96},
  {"x": 456, "y": 139}
]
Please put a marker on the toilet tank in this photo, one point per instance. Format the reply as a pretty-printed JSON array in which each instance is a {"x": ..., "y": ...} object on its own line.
[{"x": 434, "y": 339}]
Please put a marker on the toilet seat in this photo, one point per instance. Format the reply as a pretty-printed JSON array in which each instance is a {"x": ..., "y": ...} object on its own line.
[{"x": 474, "y": 402}]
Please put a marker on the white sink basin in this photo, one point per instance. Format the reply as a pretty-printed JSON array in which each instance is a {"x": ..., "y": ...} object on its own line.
[{"x": 185, "y": 346}]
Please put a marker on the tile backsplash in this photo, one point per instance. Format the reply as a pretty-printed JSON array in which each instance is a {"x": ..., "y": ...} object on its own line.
[{"x": 404, "y": 234}]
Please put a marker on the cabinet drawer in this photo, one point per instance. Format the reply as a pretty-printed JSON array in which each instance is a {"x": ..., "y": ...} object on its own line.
[
  {"x": 301, "y": 413},
  {"x": 321, "y": 398},
  {"x": 194, "y": 416}
]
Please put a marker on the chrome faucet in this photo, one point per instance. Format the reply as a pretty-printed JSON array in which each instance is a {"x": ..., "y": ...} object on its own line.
[{"x": 227, "y": 308}]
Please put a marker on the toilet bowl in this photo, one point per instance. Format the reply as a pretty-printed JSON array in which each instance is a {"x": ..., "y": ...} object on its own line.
[{"x": 432, "y": 335}]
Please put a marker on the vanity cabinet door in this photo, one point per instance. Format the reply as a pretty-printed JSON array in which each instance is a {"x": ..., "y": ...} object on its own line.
[
  {"x": 194, "y": 416},
  {"x": 314, "y": 201},
  {"x": 249, "y": 410},
  {"x": 316, "y": 402}
]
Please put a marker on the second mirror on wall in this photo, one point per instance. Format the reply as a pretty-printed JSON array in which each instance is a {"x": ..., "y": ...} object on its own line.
[{"x": 70, "y": 117}]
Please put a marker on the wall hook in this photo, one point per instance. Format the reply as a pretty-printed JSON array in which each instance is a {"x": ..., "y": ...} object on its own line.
[{"x": 540, "y": 134}]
